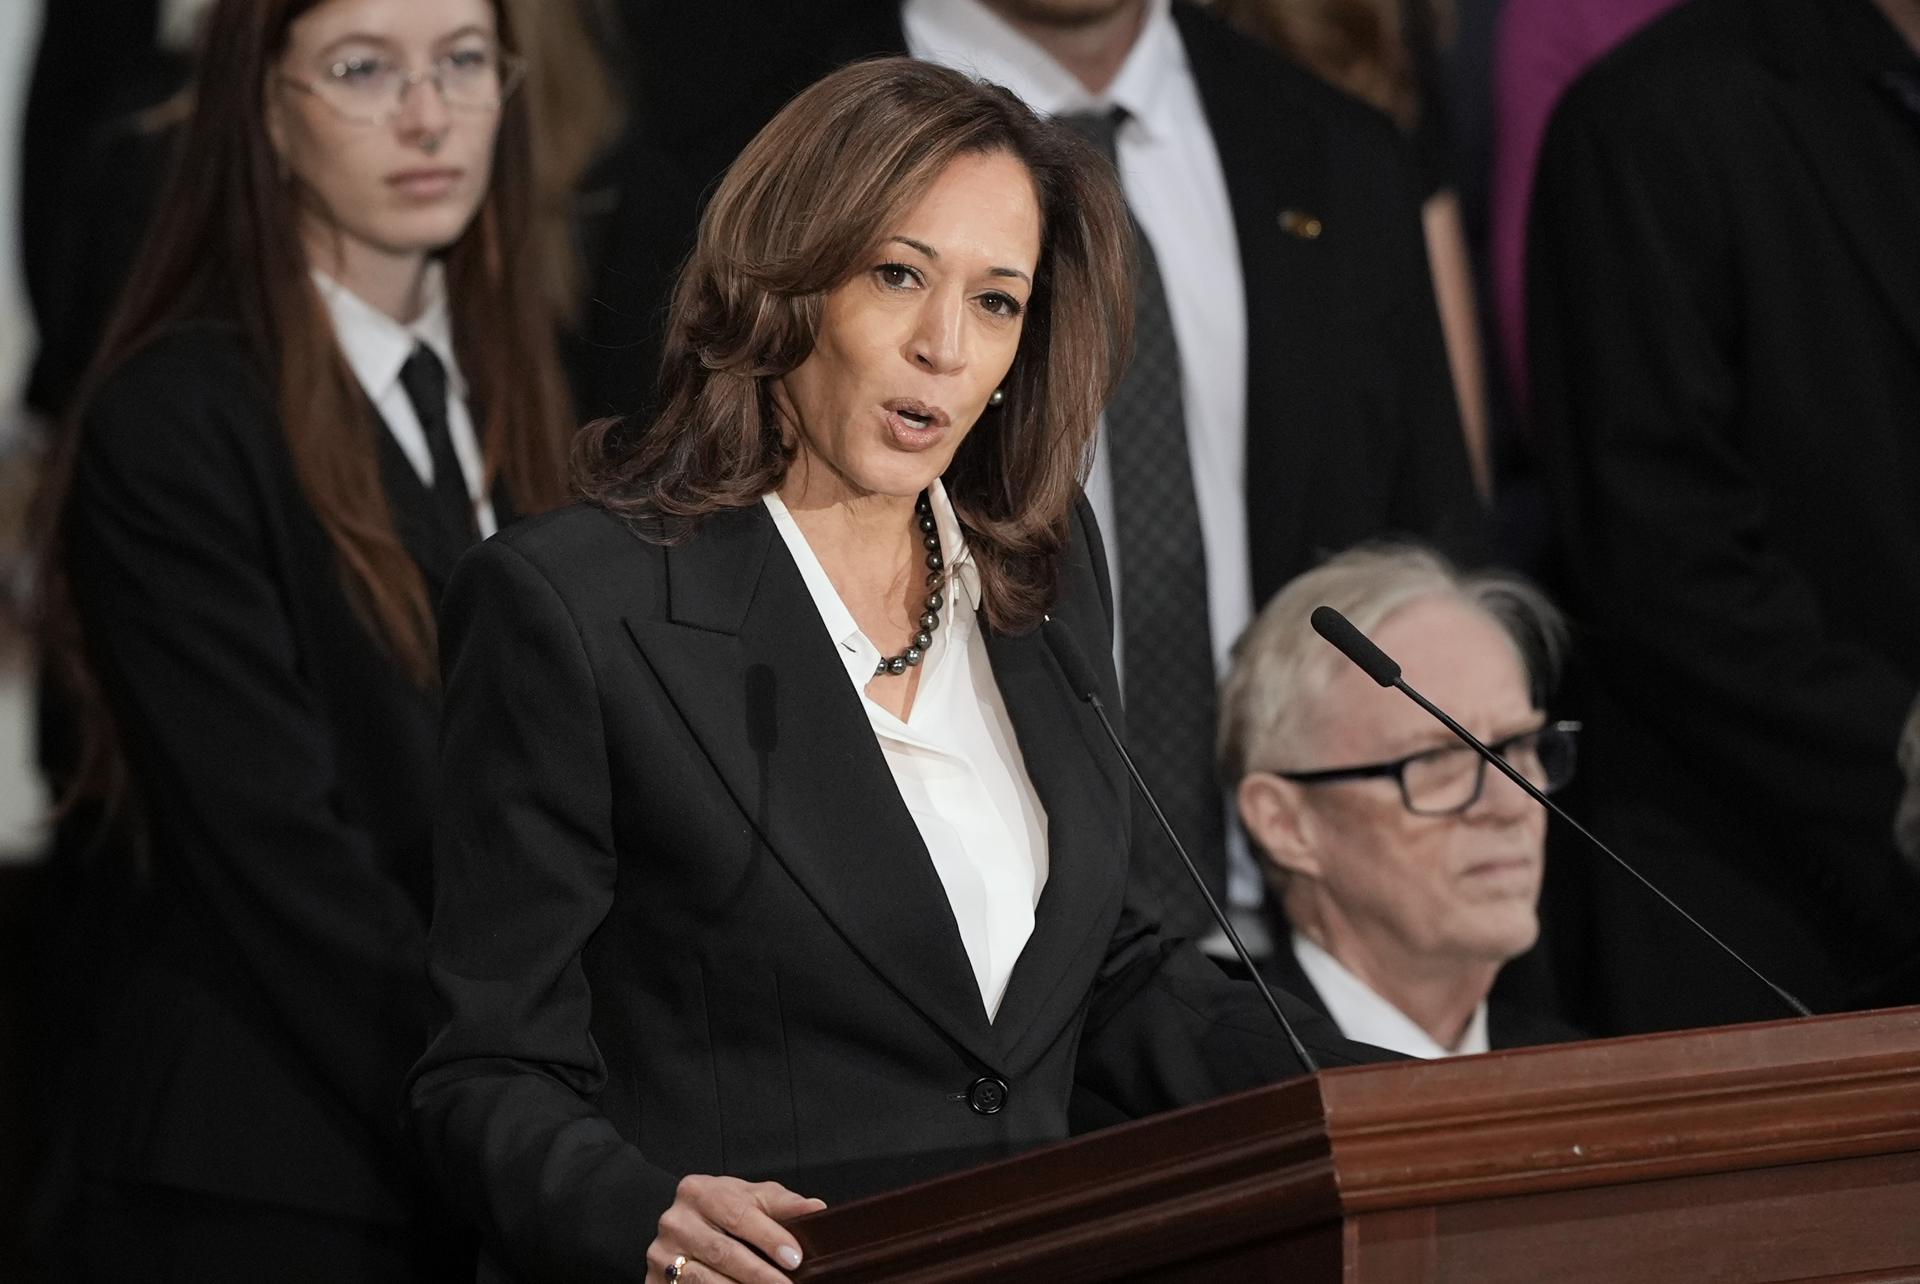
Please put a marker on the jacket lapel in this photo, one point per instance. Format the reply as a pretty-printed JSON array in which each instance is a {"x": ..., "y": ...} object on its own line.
[
  {"x": 1082, "y": 787},
  {"x": 746, "y": 662}
]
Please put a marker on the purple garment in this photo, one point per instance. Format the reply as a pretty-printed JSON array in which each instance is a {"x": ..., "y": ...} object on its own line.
[{"x": 1540, "y": 49}]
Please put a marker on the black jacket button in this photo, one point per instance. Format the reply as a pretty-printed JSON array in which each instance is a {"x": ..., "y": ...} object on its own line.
[{"x": 987, "y": 1096}]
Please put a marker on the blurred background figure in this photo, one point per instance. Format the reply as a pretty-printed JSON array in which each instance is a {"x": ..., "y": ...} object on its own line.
[
  {"x": 106, "y": 113},
  {"x": 324, "y": 382},
  {"x": 23, "y": 804},
  {"x": 103, "y": 100},
  {"x": 1388, "y": 53},
  {"x": 577, "y": 108},
  {"x": 1404, "y": 873},
  {"x": 1724, "y": 330},
  {"x": 92, "y": 158},
  {"x": 1541, "y": 47}
]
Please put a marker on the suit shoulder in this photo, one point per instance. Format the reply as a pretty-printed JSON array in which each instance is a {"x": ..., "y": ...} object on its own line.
[
  {"x": 197, "y": 360},
  {"x": 572, "y": 533},
  {"x": 190, "y": 393},
  {"x": 1687, "y": 68}
]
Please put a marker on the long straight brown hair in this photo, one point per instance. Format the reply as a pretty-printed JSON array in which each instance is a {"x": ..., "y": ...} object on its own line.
[
  {"x": 799, "y": 213},
  {"x": 226, "y": 244}
]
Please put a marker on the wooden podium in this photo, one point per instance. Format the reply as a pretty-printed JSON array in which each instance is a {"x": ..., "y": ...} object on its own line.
[{"x": 1783, "y": 1151}]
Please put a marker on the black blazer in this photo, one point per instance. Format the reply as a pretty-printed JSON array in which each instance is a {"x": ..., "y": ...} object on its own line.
[
  {"x": 1508, "y": 1025},
  {"x": 1353, "y": 431},
  {"x": 1725, "y": 307},
  {"x": 684, "y": 923},
  {"x": 284, "y": 767}
]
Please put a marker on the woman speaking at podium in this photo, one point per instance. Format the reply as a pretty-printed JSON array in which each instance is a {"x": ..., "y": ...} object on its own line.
[{"x": 777, "y": 858}]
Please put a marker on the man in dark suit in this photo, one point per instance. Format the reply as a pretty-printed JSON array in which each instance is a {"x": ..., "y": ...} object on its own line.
[
  {"x": 92, "y": 157},
  {"x": 1405, "y": 874},
  {"x": 1725, "y": 308},
  {"x": 1302, "y": 385}
]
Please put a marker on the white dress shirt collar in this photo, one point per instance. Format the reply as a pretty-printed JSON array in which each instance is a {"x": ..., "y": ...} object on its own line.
[
  {"x": 1364, "y": 1016},
  {"x": 856, "y": 651},
  {"x": 968, "y": 36},
  {"x": 376, "y": 346}
]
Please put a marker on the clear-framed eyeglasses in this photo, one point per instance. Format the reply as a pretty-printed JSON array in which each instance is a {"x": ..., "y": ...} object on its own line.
[
  {"x": 1447, "y": 781},
  {"x": 371, "y": 88}
]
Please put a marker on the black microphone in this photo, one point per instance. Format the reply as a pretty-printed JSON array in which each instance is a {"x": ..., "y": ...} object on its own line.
[
  {"x": 1376, "y": 664},
  {"x": 1079, "y": 675}
]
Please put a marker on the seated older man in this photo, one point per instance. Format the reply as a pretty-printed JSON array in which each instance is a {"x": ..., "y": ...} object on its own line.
[{"x": 1407, "y": 871}]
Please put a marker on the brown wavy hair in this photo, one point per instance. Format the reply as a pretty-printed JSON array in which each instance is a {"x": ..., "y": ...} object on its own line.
[
  {"x": 799, "y": 213},
  {"x": 225, "y": 244}
]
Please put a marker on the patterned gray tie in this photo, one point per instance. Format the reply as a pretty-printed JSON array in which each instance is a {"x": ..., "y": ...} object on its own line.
[{"x": 1166, "y": 638}]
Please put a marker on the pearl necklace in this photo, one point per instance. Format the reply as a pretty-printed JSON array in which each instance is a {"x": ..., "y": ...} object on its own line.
[{"x": 930, "y": 619}]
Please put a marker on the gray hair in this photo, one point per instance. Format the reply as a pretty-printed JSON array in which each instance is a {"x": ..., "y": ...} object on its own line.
[{"x": 1281, "y": 666}]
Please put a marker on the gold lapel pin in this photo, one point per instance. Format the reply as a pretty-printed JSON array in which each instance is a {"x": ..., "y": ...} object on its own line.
[{"x": 1301, "y": 224}]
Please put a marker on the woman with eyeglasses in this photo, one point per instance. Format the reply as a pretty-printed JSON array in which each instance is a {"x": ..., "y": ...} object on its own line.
[
  {"x": 1402, "y": 873},
  {"x": 333, "y": 371}
]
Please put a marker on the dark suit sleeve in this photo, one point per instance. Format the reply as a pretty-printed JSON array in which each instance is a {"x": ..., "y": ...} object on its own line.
[
  {"x": 1168, "y": 1028},
  {"x": 1721, "y": 645},
  {"x": 523, "y": 875},
  {"x": 173, "y": 572}
]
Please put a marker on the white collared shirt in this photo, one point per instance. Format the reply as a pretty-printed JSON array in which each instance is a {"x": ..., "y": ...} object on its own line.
[
  {"x": 376, "y": 347},
  {"x": 1364, "y": 1016},
  {"x": 1177, "y": 188},
  {"x": 955, "y": 759}
]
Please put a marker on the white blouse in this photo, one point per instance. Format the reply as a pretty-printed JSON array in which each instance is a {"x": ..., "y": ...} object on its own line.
[{"x": 955, "y": 759}]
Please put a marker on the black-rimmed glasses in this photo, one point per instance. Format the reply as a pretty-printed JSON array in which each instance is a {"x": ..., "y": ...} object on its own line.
[
  {"x": 1447, "y": 781},
  {"x": 371, "y": 89}
]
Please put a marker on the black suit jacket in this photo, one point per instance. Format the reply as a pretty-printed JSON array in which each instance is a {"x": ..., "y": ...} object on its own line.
[
  {"x": 684, "y": 923},
  {"x": 284, "y": 768},
  {"x": 1508, "y": 1025},
  {"x": 1353, "y": 431},
  {"x": 1726, "y": 331}
]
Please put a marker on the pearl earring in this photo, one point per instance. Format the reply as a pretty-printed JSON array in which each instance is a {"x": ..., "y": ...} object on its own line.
[{"x": 999, "y": 396}]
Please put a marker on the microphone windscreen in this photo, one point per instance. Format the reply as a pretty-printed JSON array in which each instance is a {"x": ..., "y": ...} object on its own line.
[
  {"x": 1072, "y": 662},
  {"x": 1355, "y": 645}
]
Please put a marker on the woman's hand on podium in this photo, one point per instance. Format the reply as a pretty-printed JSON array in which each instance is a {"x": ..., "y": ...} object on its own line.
[{"x": 711, "y": 1233}]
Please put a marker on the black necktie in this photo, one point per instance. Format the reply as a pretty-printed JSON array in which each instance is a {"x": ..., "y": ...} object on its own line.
[
  {"x": 1166, "y": 636},
  {"x": 425, "y": 381}
]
